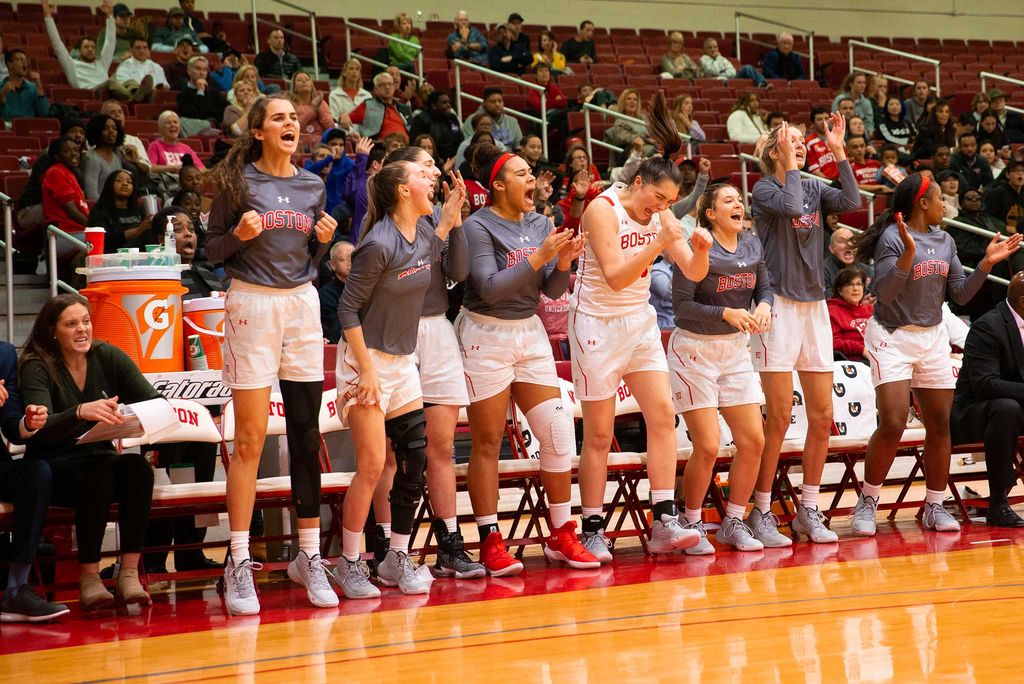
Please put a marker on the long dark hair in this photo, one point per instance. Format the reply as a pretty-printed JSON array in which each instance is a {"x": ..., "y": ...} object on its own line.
[
  {"x": 945, "y": 135},
  {"x": 903, "y": 202},
  {"x": 228, "y": 177},
  {"x": 382, "y": 193},
  {"x": 661, "y": 127},
  {"x": 94, "y": 130},
  {"x": 42, "y": 343},
  {"x": 106, "y": 200}
]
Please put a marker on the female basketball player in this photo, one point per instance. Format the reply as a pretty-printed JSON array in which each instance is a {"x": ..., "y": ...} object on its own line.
[
  {"x": 787, "y": 214},
  {"x": 268, "y": 227},
  {"x": 614, "y": 335},
  {"x": 915, "y": 267},
  {"x": 709, "y": 363},
  {"x": 378, "y": 384},
  {"x": 514, "y": 255}
]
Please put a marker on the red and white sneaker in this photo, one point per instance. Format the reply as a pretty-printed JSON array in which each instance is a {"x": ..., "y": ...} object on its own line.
[
  {"x": 564, "y": 545},
  {"x": 496, "y": 558}
]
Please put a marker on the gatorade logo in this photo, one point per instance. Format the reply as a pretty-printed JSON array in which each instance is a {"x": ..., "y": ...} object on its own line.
[{"x": 154, "y": 316}]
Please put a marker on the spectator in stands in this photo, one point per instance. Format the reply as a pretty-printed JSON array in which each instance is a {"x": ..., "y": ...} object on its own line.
[
  {"x": 745, "y": 124},
  {"x": 854, "y": 86},
  {"x": 224, "y": 77},
  {"x": 200, "y": 105},
  {"x": 403, "y": 56},
  {"x": 126, "y": 30},
  {"x": 979, "y": 105},
  {"x": 174, "y": 30},
  {"x": 820, "y": 160},
  {"x": 336, "y": 165},
  {"x": 893, "y": 127},
  {"x": 88, "y": 71},
  {"x": 676, "y": 63},
  {"x": 782, "y": 61},
  {"x": 349, "y": 93},
  {"x": 940, "y": 160},
  {"x": 514, "y": 24},
  {"x": 138, "y": 75},
  {"x": 467, "y": 42},
  {"x": 532, "y": 150},
  {"x": 369, "y": 160},
  {"x": 330, "y": 292},
  {"x": 504, "y": 128},
  {"x": 480, "y": 123},
  {"x": 508, "y": 57},
  {"x": 105, "y": 137},
  {"x": 117, "y": 209},
  {"x": 864, "y": 169},
  {"x": 177, "y": 71},
  {"x": 969, "y": 164},
  {"x": 276, "y": 61},
  {"x": 81, "y": 383},
  {"x": 949, "y": 183},
  {"x": 849, "y": 311},
  {"x": 26, "y": 484},
  {"x": 878, "y": 92},
  {"x": 990, "y": 130},
  {"x": 235, "y": 119},
  {"x": 21, "y": 92},
  {"x": 547, "y": 53},
  {"x": 987, "y": 151},
  {"x": 382, "y": 115},
  {"x": 846, "y": 108},
  {"x": 310, "y": 106},
  {"x": 248, "y": 72},
  {"x": 890, "y": 173},
  {"x": 773, "y": 119},
  {"x": 626, "y": 134},
  {"x": 30, "y": 203},
  {"x": 841, "y": 255},
  {"x": 915, "y": 106},
  {"x": 3, "y": 65},
  {"x": 1011, "y": 122},
  {"x": 581, "y": 49},
  {"x": 166, "y": 152},
  {"x": 855, "y": 127},
  {"x": 682, "y": 111},
  {"x": 713, "y": 64},
  {"x": 1005, "y": 201},
  {"x": 133, "y": 151},
  {"x": 556, "y": 101},
  {"x": 64, "y": 202},
  {"x": 577, "y": 160},
  {"x": 439, "y": 122},
  {"x": 192, "y": 19},
  {"x": 937, "y": 130}
]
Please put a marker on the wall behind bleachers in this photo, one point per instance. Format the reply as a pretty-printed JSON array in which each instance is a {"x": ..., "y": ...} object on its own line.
[{"x": 932, "y": 18}]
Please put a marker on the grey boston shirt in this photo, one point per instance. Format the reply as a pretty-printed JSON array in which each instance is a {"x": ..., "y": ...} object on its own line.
[
  {"x": 385, "y": 290},
  {"x": 501, "y": 281},
  {"x": 789, "y": 221},
  {"x": 733, "y": 280},
  {"x": 453, "y": 265},
  {"x": 916, "y": 297},
  {"x": 286, "y": 253}
]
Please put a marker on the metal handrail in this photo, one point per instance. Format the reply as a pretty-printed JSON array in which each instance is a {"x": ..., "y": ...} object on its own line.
[
  {"x": 9, "y": 262},
  {"x": 999, "y": 77},
  {"x": 52, "y": 233},
  {"x": 256, "y": 21},
  {"x": 391, "y": 39},
  {"x": 459, "y": 95},
  {"x": 589, "y": 138},
  {"x": 807, "y": 32},
  {"x": 892, "y": 51}
]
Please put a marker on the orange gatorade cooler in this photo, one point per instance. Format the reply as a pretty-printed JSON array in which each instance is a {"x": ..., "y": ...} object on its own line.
[
  {"x": 136, "y": 307},
  {"x": 204, "y": 316}
]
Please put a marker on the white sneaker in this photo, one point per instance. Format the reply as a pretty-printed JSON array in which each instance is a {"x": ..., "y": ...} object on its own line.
[
  {"x": 239, "y": 587},
  {"x": 311, "y": 573},
  {"x": 667, "y": 535},
  {"x": 737, "y": 535},
  {"x": 765, "y": 528},
  {"x": 397, "y": 571},
  {"x": 354, "y": 579},
  {"x": 598, "y": 545},
  {"x": 703, "y": 547},
  {"x": 939, "y": 519},
  {"x": 864, "y": 521},
  {"x": 811, "y": 522}
]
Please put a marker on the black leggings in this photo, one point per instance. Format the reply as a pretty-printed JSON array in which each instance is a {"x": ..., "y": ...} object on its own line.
[
  {"x": 90, "y": 483},
  {"x": 26, "y": 484},
  {"x": 302, "y": 418}
]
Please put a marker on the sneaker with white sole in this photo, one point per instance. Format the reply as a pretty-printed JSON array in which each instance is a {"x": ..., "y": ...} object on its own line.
[
  {"x": 354, "y": 579},
  {"x": 811, "y": 522},
  {"x": 311, "y": 573},
  {"x": 23, "y": 604},
  {"x": 398, "y": 571},
  {"x": 765, "y": 528},
  {"x": 594, "y": 539},
  {"x": 452, "y": 559},
  {"x": 865, "y": 522},
  {"x": 938, "y": 518},
  {"x": 736, "y": 534},
  {"x": 240, "y": 588},
  {"x": 703, "y": 547},
  {"x": 667, "y": 535}
]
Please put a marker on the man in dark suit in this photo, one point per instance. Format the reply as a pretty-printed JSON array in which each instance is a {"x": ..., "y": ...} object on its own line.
[
  {"x": 988, "y": 404},
  {"x": 26, "y": 484}
]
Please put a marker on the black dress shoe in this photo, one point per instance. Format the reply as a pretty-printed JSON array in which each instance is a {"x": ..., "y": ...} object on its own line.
[
  {"x": 192, "y": 563},
  {"x": 1001, "y": 515}
]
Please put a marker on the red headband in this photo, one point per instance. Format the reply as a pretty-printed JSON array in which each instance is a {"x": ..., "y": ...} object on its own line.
[
  {"x": 502, "y": 160},
  {"x": 925, "y": 182}
]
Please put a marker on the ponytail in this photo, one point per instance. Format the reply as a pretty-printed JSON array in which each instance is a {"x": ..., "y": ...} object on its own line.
[
  {"x": 904, "y": 199},
  {"x": 382, "y": 194},
  {"x": 661, "y": 126},
  {"x": 228, "y": 177}
]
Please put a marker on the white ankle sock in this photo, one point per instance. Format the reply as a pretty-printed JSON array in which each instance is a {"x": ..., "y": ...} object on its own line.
[
  {"x": 399, "y": 542},
  {"x": 763, "y": 501},
  {"x": 871, "y": 490},
  {"x": 240, "y": 546},
  {"x": 386, "y": 527},
  {"x": 934, "y": 497},
  {"x": 692, "y": 514},
  {"x": 309, "y": 540},
  {"x": 560, "y": 514},
  {"x": 350, "y": 544},
  {"x": 659, "y": 495},
  {"x": 587, "y": 511},
  {"x": 809, "y": 495},
  {"x": 452, "y": 524},
  {"x": 735, "y": 510},
  {"x": 482, "y": 520}
]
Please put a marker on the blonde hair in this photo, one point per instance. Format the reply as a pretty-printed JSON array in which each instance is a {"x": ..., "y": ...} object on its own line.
[
  {"x": 766, "y": 144},
  {"x": 398, "y": 21},
  {"x": 622, "y": 100},
  {"x": 241, "y": 73}
]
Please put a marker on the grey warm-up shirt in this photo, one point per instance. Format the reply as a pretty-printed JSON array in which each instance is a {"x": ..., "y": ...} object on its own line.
[
  {"x": 453, "y": 265},
  {"x": 385, "y": 290},
  {"x": 287, "y": 252},
  {"x": 501, "y": 281},
  {"x": 916, "y": 297},
  {"x": 789, "y": 221},
  {"x": 733, "y": 280},
  {"x": 685, "y": 205}
]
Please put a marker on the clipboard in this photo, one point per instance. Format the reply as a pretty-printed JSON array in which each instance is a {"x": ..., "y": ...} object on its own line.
[{"x": 149, "y": 417}]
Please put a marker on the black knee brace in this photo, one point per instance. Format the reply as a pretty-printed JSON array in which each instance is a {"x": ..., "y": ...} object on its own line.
[
  {"x": 302, "y": 419},
  {"x": 408, "y": 435}
]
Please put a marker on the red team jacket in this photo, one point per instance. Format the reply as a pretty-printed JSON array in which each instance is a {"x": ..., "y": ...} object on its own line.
[{"x": 848, "y": 325}]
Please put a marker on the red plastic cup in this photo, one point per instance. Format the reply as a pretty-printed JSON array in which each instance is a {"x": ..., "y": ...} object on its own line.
[{"x": 94, "y": 236}]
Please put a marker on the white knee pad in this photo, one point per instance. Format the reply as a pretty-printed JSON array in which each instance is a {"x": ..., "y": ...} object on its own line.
[{"x": 554, "y": 430}]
